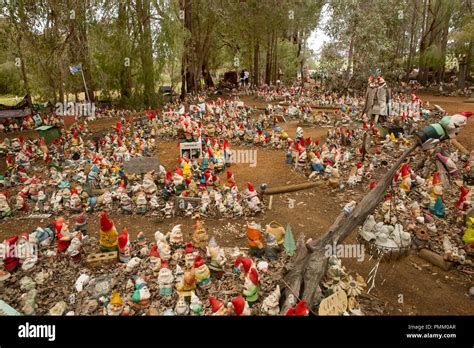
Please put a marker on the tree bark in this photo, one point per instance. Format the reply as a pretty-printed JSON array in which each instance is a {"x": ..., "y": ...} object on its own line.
[{"x": 256, "y": 62}]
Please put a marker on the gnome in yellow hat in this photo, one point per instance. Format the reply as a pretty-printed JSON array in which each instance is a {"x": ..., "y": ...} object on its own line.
[{"x": 115, "y": 306}]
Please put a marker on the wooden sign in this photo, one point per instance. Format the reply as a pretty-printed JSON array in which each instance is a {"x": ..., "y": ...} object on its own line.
[
  {"x": 141, "y": 165},
  {"x": 336, "y": 304}
]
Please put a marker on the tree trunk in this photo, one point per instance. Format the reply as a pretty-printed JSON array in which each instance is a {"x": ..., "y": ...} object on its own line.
[
  {"x": 125, "y": 71},
  {"x": 305, "y": 273},
  {"x": 412, "y": 41},
  {"x": 146, "y": 52},
  {"x": 256, "y": 62},
  {"x": 268, "y": 66}
]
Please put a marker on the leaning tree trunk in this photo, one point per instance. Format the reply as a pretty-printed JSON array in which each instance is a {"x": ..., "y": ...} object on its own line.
[{"x": 305, "y": 272}]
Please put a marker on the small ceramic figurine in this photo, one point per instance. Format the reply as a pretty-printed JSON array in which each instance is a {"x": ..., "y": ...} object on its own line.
[
  {"x": 202, "y": 273},
  {"x": 80, "y": 223},
  {"x": 299, "y": 310},
  {"x": 141, "y": 295},
  {"x": 270, "y": 304},
  {"x": 271, "y": 250},
  {"x": 465, "y": 200},
  {"x": 107, "y": 234},
  {"x": 189, "y": 255},
  {"x": 115, "y": 306},
  {"x": 217, "y": 307},
  {"x": 195, "y": 305},
  {"x": 141, "y": 203},
  {"x": 251, "y": 287},
  {"x": 253, "y": 239},
  {"x": 181, "y": 307},
  {"x": 405, "y": 185},
  {"x": 188, "y": 284},
  {"x": 176, "y": 237},
  {"x": 218, "y": 259},
  {"x": 200, "y": 236},
  {"x": 240, "y": 306},
  {"x": 75, "y": 247},
  {"x": 155, "y": 260},
  {"x": 165, "y": 280},
  {"x": 124, "y": 246}
]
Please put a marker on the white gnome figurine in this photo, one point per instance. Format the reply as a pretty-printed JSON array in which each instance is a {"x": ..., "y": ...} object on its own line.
[
  {"x": 270, "y": 304},
  {"x": 181, "y": 307}
]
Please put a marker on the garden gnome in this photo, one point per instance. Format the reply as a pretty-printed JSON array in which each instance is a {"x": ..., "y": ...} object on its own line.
[
  {"x": 464, "y": 201},
  {"x": 271, "y": 303},
  {"x": 165, "y": 280},
  {"x": 202, "y": 273},
  {"x": 188, "y": 284},
  {"x": 181, "y": 307},
  {"x": 107, "y": 234},
  {"x": 11, "y": 262},
  {"x": 241, "y": 307},
  {"x": 176, "y": 237},
  {"x": 251, "y": 287},
  {"x": 218, "y": 259},
  {"x": 141, "y": 295},
  {"x": 405, "y": 185},
  {"x": 75, "y": 247},
  {"x": 124, "y": 246},
  {"x": 217, "y": 307},
  {"x": 195, "y": 305},
  {"x": 189, "y": 255},
  {"x": 299, "y": 310},
  {"x": 115, "y": 305},
  {"x": 253, "y": 239},
  {"x": 200, "y": 236},
  {"x": 80, "y": 223}
]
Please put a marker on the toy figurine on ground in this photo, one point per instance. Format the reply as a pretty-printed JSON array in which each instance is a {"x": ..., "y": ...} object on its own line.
[
  {"x": 218, "y": 259},
  {"x": 253, "y": 239},
  {"x": 80, "y": 223},
  {"x": 299, "y": 310},
  {"x": 107, "y": 234},
  {"x": 124, "y": 246},
  {"x": 188, "y": 284},
  {"x": 447, "y": 128},
  {"x": 176, "y": 237},
  {"x": 270, "y": 304},
  {"x": 200, "y": 236},
  {"x": 202, "y": 273},
  {"x": 75, "y": 247},
  {"x": 11, "y": 262},
  {"x": 155, "y": 260},
  {"x": 115, "y": 305},
  {"x": 218, "y": 308},
  {"x": 240, "y": 306},
  {"x": 195, "y": 305},
  {"x": 165, "y": 280},
  {"x": 181, "y": 307},
  {"x": 141, "y": 295},
  {"x": 251, "y": 287}
]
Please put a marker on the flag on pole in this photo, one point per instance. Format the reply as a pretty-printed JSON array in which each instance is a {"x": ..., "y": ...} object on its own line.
[{"x": 75, "y": 69}]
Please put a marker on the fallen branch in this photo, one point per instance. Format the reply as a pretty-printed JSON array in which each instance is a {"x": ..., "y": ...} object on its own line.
[
  {"x": 290, "y": 188},
  {"x": 460, "y": 147}
]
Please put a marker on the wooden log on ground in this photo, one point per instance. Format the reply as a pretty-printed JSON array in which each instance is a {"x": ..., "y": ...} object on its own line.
[
  {"x": 435, "y": 259},
  {"x": 314, "y": 266},
  {"x": 290, "y": 188},
  {"x": 460, "y": 147}
]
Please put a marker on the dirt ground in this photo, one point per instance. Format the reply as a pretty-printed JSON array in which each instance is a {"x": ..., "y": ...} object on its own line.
[{"x": 408, "y": 286}]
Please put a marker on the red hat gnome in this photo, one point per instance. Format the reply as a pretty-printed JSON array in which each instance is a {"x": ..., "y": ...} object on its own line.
[
  {"x": 108, "y": 234},
  {"x": 241, "y": 307}
]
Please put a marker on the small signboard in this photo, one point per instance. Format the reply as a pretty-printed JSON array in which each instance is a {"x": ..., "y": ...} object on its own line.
[
  {"x": 181, "y": 203},
  {"x": 336, "y": 304},
  {"x": 192, "y": 149},
  {"x": 141, "y": 165}
]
